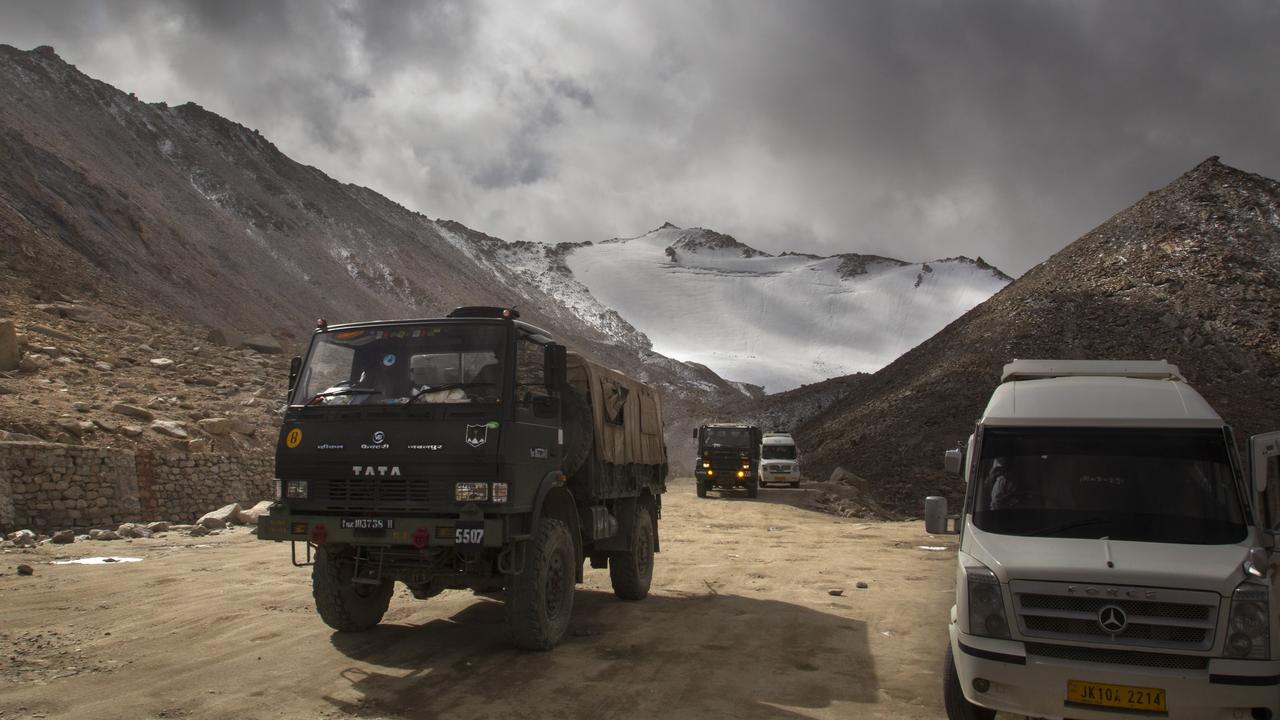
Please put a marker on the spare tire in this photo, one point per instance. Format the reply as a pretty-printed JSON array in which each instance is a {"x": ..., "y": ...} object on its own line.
[{"x": 579, "y": 431}]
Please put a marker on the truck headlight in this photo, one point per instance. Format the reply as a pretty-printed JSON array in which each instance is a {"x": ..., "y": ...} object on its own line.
[
  {"x": 471, "y": 492},
  {"x": 296, "y": 489},
  {"x": 1248, "y": 629},
  {"x": 986, "y": 603},
  {"x": 706, "y": 465}
]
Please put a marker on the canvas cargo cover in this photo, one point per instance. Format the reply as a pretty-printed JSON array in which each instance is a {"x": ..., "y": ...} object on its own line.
[{"x": 627, "y": 414}]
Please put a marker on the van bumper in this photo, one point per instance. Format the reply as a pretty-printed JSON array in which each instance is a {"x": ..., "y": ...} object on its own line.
[{"x": 1028, "y": 684}]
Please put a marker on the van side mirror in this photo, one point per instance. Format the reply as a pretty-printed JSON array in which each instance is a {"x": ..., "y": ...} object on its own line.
[
  {"x": 953, "y": 461},
  {"x": 936, "y": 520},
  {"x": 555, "y": 365},
  {"x": 1264, "y": 453},
  {"x": 294, "y": 366}
]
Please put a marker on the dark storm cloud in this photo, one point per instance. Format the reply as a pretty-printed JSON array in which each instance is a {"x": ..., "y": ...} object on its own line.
[{"x": 914, "y": 129}]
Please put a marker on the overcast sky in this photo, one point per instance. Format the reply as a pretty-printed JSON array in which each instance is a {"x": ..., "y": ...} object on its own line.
[{"x": 911, "y": 129}]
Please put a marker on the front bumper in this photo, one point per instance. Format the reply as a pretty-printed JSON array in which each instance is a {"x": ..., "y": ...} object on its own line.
[
  {"x": 281, "y": 525},
  {"x": 1027, "y": 684}
]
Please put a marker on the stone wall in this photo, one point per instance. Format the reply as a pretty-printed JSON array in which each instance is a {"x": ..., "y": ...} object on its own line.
[{"x": 47, "y": 487}]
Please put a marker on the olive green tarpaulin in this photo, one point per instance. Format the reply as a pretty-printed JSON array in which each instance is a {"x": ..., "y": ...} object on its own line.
[{"x": 627, "y": 413}]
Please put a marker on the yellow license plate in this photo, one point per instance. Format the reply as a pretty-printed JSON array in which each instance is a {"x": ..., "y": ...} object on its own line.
[{"x": 1116, "y": 696}]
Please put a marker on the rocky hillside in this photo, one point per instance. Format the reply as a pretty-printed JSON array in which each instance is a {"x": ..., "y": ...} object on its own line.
[
  {"x": 1190, "y": 273},
  {"x": 183, "y": 220}
]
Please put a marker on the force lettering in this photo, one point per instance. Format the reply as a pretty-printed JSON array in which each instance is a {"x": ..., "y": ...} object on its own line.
[{"x": 375, "y": 470}]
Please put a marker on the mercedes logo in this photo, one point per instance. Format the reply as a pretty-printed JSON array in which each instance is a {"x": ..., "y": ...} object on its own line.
[
  {"x": 378, "y": 437},
  {"x": 1112, "y": 620}
]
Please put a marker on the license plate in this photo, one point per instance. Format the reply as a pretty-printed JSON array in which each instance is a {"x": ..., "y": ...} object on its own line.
[
  {"x": 367, "y": 524},
  {"x": 468, "y": 533},
  {"x": 1116, "y": 696}
]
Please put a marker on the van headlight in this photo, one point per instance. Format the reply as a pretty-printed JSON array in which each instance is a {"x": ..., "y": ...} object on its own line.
[
  {"x": 986, "y": 603},
  {"x": 1248, "y": 629}
]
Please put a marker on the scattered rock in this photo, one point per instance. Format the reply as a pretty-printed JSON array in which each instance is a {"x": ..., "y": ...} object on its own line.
[
  {"x": 862, "y": 585},
  {"x": 199, "y": 445},
  {"x": 133, "y": 531},
  {"x": 107, "y": 535},
  {"x": 835, "y": 593},
  {"x": 217, "y": 337},
  {"x": 31, "y": 362},
  {"x": 198, "y": 531},
  {"x": 23, "y": 539},
  {"x": 250, "y": 516},
  {"x": 216, "y": 425},
  {"x": 103, "y": 366},
  {"x": 162, "y": 363},
  {"x": 240, "y": 426},
  {"x": 133, "y": 411},
  {"x": 170, "y": 428},
  {"x": 159, "y": 526},
  {"x": 106, "y": 425},
  {"x": 130, "y": 430},
  {"x": 63, "y": 537},
  {"x": 218, "y": 519},
  {"x": 25, "y": 569},
  {"x": 51, "y": 332}
]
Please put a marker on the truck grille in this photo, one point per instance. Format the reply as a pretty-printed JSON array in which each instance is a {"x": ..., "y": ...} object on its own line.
[
  {"x": 1178, "y": 619},
  {"x": 1119, "y": 657},
  {"x": 366, "y": 494}
]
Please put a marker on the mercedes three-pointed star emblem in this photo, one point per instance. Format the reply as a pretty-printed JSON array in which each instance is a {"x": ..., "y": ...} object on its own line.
[{"x": 1112, "y": 620}]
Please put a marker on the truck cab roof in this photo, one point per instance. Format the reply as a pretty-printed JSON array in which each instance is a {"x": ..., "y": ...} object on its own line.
[{"x": 1092, "y": 393}]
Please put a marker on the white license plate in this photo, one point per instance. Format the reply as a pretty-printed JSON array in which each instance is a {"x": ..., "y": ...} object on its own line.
[{"x": 367, "y": 524}]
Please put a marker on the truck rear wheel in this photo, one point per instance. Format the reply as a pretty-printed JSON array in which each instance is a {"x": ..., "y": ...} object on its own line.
[
  {"x": 753, "y": 487},
  {"x": 632, "y": 572},
  {"x": 540, "y": 599},
  {"x": 958, "y": 707},
  {"x": 343, "y": 605}
]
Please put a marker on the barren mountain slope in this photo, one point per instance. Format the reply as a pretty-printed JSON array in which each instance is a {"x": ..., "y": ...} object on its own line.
[{"x": 1191, "y": 273}]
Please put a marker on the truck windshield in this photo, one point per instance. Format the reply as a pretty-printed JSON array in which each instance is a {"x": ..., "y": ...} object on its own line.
[
  {"x": 402, "y": 364},
  {"x": 726, "y": 437},
  {"x": 778, "y": 452},
  {"x": 1170, "y": 486}
]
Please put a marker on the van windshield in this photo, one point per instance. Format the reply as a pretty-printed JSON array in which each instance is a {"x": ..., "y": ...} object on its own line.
[
  {"x": 778, "y": 452},
  {"x": 402, "y": 364},
  {"x": 726, "y": 437},
  {"x": 1170, "y": 486}
]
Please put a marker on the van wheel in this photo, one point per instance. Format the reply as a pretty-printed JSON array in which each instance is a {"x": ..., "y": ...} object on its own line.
[
  {"x": 579, "y": 433},
  {"x": 540, "y": 599},
  {"x": 631, "y": 572},
  {"x": 343, "y": 605},
  {"x": 958, "y": 707},
  {"x": 753, "y": 487}
]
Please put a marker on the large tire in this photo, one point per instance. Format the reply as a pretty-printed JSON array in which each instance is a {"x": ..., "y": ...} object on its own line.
[
  {"x": 701, "y": 488},
  {"x": 632, "y": 572},
  {"x": 958, "y": 707},
  {"x": 343, "y": 605},
  {"x": 753, "y": 487},
  {"x": 579, "y": 432},
  {"x": 540, "y": 599}
]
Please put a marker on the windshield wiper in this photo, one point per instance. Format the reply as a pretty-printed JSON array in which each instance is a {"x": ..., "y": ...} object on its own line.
[
  {"x": 1063, "y": 527},
  {"x": 447, "y": 386}
]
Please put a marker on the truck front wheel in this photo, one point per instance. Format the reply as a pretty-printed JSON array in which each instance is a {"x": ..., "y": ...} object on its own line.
[
  {"x": 631, "y": 572},
  {"x": 540, "y": 599},
  {"x": 753, "y": 487},
  {"x": 958, "y": 707},
  {"x": 702, "y": 488},
  {"x": 343, "y": 605}
]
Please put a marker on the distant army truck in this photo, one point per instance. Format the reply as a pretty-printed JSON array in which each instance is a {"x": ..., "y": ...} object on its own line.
[
  {"x": 728, "y": 458},
  {"x": 465, "y": 452}
]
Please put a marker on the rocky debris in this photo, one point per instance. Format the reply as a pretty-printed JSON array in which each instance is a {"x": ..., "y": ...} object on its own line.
[
  {"x": 217, "y": 337},
  {"x": 51, "y": 332},
  {"x": 103, "y": 366},
  {"x": 263, "y": 344},
  {"x": 9, "y": 357},
  {"x": 69, "y": 311},
  {"x": 106, "y": 425},
  {"x": 836, "y": 592},
  {"x": 23, "y": 539},
  {"x": 160, "y": 526},
  {"x": 25, "y": 569},
  {"x": 74, "y": 427},
  {"x": 170, "y": 428},
  {"x": 216, "y": 425},
  {"x": 130, "y": 430},
  {"x": 240, "y": 426},
  {"x": 162, "y": 363},
  {"x": 198, "y": 531},
  {"x": 105, "y": 535},
  {"x": 63, "y": 537},
  {"x": 862, "y": 585},
  {"x": 220, "y": 518},
  {"x": 34, "y": 362},
  {"x": 133, "y": 531},
  {"x": 133, "y": 411},
  {"x": 250, "y": 516}
]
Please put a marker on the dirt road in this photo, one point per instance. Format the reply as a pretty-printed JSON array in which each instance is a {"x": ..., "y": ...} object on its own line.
[{"x": 740, "y": 624}]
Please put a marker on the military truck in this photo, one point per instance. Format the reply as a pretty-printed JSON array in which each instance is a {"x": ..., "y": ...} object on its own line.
[
  {"x": 465, "y": 452},
  {"x": 1117, "y": 558},
  {"x": 728, "y": 458}
]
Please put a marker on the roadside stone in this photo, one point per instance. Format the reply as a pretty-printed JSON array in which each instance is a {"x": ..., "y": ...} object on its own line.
[
  {"x": 216, "y": 425},
  {"x": 130, "y": 430},
  {"x": 133, "y": 411},
  {"x": 108, "y": 535},
  {"x": 161, "y": 362},
  {"x": 106, "y": 425},
  {"x": 251, "y": 515},
  {"x": 9, "y": 357},
  {"x": 159, "y": 526},
  {"x": 63, "y": 537},
  {"x": 103, "y": 366},
  {"x": 862, "y": 585},
  {"x": 170, "y": 428},
  {"x": 240, "y": 426},
  {"x": 25, "y": 569},
  {"x": 835, "y": 593},
  {"x": 24, "y": 539},
  {"x": 31, "y": 362},
  {"x": 217, "y": 519},
  {"x": 94, "y": 533},
  {"x": 198, "y": 531},
  {"x": 133, "y": 531}
]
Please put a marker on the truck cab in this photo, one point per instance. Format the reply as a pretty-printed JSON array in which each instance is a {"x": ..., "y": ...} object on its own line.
[
  {"x": 465, "y": 452},
  {"x": 1116, "y": 558},
  {"x": 779, "y": 460},
  {"x": 728, "y": 458}
]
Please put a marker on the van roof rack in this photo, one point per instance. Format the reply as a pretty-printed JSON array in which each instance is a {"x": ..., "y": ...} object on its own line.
[{"x": 1044, "y": 369}]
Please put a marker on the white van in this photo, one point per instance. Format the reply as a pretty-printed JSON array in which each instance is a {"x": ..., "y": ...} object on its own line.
[
  {"x": 779, "y": 461},
  {"x": 1116, "y": 559}
]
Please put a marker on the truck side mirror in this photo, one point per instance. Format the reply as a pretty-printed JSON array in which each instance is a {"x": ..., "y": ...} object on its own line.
[
  {"x": 936, "y": 520},
  {"x": 695, "y": 433},
  {"x": 294, "y": 366},
  {"x": 555, "y": 365},
  {"x": 953, "y": 461}
]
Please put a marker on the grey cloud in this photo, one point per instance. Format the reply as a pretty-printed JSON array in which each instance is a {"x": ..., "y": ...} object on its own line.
[{"x": 915, "y": 129}]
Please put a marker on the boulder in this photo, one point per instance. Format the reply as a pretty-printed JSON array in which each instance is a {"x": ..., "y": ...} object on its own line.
[
  {"x": 24, "y": 539},
  {"x": 216, "y": 425},
  {"x": 133, "y": 411},
  {"x": 250, "y": 516},
  {"x": 218, "y": 519},
  {"x": 133, "y": 531},
  {"x": 25, "y": 569},
  {"x": 158, "y": 526},
  {"x": 263, "y": 344},
  {"x": 170, "y": 428},
  {"x": 240, "y": 426},
  {"x": 9, "y": 357},
  {"x": 107, "y": 535},
  {"x": 63, "y": 537},
  {"x": 198, "y": 531}
]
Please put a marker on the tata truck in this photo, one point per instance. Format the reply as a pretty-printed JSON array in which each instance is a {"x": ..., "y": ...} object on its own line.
[
  {"x": 779, "y": 461},
  {"x": 728, "y": 458},
  {"x": 465, "y": 452},
  {"x": 1117, "y": 559}
]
